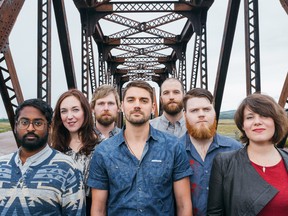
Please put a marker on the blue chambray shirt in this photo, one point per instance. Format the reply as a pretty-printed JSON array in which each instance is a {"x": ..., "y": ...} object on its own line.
[
  {"x": 199, "y": 180},
  {"x": 142, "y": 187}
]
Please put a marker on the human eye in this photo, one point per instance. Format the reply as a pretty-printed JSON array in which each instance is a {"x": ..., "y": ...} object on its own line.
[
  {"x": 165, "y": 92},
  {"x": 249, "y": 117},
  {"x": 192, "y": 110},
  {"x": 176, "y": 92},
  {"x": 38, "y": 123},
  {"x": 76, "y": 109},
  {"x": 145, "y": 100},
  {"x": 24, "y": 122},
  {"x": 129, "y": 100},
  {"x": 63, "y": 111},
  {"x": 111, "y": 103},
  {"x": 207, "y": 109}
]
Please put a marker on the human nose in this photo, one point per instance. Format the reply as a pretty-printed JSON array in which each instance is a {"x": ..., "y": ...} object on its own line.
[
  {"x": 137, "y": 104},
  {"x": 171, "y": 96},
  {"x": 257, "y": 120},
  {"x": 31, "y": 126},
  {"x": 106, "y": 106},
  {"x": 201, "y": 112},
  {"x": 69, "y": 115}
]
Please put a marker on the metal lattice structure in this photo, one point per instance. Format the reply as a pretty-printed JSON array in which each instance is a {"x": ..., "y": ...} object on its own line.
[{"x": 137, "y": 44}]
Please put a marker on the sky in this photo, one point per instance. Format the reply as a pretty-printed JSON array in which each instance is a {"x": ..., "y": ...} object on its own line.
[{"x": 273, "y": 22}]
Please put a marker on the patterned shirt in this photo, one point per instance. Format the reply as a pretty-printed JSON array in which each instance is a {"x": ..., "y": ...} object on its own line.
[
  {"x": 83, "y": 164},
  {"x": 139, "y": 187},
  {"x": 115, "y": 131},
  {"x": 46, "y": 184},
  {"x": 199, "y": 180},
  {"x": 161, "y": 123}
]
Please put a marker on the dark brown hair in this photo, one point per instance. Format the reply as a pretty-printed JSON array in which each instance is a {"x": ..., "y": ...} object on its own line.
[
  {"x": 263, "y": 105},
  {"x": 139, "y": 84},
  {"x": 199, "y": 93},
  {"x": 60, "y": 136}
]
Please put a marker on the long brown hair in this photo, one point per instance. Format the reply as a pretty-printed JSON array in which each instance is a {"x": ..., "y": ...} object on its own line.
[{"x": 60, "y": 136}]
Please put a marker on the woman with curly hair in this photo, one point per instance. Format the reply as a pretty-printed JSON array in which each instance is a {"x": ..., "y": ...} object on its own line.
[{"x": 73, "y": 132}]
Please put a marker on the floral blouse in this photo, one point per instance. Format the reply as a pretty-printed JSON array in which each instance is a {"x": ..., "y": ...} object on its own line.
[{"x": 83, "y": 163}]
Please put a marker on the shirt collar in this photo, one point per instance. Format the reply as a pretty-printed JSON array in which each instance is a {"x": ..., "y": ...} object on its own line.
[
  {"x": 121, "y": 140},
  {"x": 36, "y": 158},
  {"x": 215, "y": 143},
  {"x": 181, "y": 121},
  {"x": 111, "y": 133}
]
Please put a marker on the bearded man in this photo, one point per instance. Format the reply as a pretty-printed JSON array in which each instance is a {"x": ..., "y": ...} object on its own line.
[
  {"x": 172, "y": 120},
  {"x": 38, "y": 180},
  {"x": 202, "y": 143},
  {"x": 105, "y": 105},
  {"x": 140, "y": 171}
]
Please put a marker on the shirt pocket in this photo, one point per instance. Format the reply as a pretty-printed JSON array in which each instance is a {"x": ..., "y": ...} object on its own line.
[
  {"x": 120, "y": 174},
  {"x": 158, "y": 172}
]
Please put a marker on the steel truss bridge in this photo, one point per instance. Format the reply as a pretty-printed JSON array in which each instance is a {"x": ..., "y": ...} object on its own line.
[{"x": 129, "y": 49}]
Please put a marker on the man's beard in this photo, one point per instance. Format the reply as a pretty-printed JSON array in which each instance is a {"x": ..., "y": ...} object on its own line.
[
  {"x": 173, "y": 110},
  {"x": 38, "y": 143},
  {"x": 137, "y": 121},
  {"x": 106, "y": 120},
  {"x": 202, "y": 132}
]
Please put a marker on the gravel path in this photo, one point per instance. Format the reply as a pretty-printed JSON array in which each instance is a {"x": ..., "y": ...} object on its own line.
[{"x": 7, "y": 143}]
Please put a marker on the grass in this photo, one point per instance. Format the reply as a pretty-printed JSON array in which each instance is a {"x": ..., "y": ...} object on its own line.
[
  {"x": 228, "y": 128},
  {"x": 4, "y": 126}
]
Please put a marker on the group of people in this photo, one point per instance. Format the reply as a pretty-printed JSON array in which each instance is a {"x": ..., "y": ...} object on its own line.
[{"x": 76, "y": 161}]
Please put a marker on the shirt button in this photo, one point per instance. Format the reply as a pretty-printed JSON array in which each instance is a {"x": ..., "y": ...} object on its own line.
[
  {"x": 206, "y": 171},
  {"x": 140, "y": 210},
  {"x": 139, "y": 189},
  {"x": 207, "y": 188}
]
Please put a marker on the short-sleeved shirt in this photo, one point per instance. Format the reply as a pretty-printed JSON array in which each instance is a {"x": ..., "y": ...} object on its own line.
[
  {"x": 139, "y": 187},
  {"x": 46, "y": 184},
  {"x": 161, "y": 123},
  {"x": 199, "y": 180}
]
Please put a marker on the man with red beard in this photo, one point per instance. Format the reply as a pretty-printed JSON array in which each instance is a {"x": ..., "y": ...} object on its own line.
[
  {"x": 172, "y": 120},
  {"x": 105, "y": 105},
  {"x": 202, "y": 143}
]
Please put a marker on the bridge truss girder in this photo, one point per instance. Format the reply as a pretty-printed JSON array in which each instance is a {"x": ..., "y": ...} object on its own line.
[{"x": 130, "y": 43}]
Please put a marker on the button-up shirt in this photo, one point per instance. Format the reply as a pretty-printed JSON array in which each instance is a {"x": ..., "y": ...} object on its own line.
[
  {"x": 199, "y": 180},
  {"x": 139, "y": 187},
  {"x": 161, "y": 123},
  {"x": 115, "y": 131}
]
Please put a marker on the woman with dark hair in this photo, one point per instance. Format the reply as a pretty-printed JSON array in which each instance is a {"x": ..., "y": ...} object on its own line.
[
  {"x": 253, "y": 180},
  {"x": 73, "y": 132}
]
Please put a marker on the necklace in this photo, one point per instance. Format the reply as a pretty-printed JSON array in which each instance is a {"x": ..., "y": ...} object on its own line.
[
  {"x": 130, "y": 149},
  {"x": 263, "y": 169}
]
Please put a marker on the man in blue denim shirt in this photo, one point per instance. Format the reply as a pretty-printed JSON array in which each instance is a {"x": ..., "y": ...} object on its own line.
[
  {"x": 202, "y": 143},
  {"x": 137, "y": 171}
]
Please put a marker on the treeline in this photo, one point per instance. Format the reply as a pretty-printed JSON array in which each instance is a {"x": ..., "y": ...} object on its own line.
[{"x": 227, "y": 114}]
